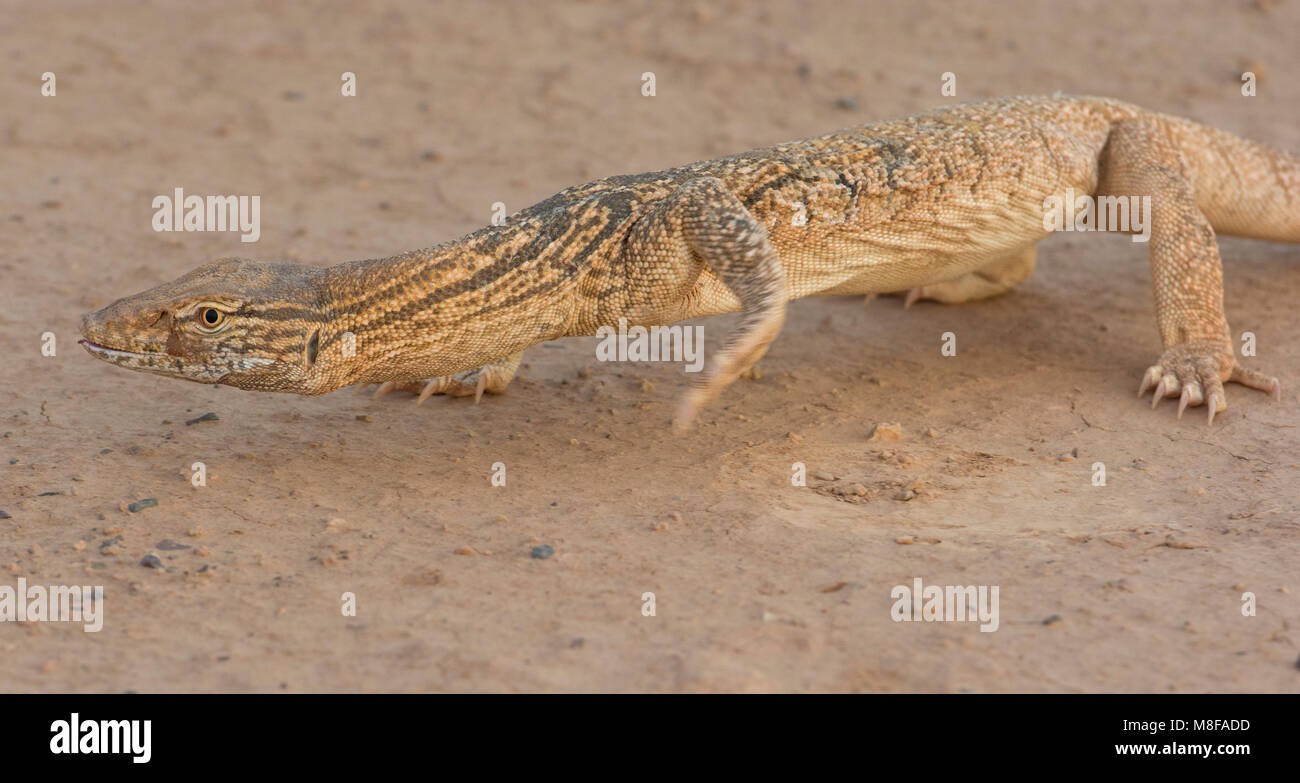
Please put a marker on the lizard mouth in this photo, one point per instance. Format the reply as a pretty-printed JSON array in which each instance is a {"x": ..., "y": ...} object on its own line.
[
  {"x": 210, "y": 371},
  {"x": 109, "y": 354},
  {"x": 148, "y": 361}
]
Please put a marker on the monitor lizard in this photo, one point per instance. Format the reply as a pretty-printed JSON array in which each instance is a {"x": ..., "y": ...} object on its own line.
[{"x": 946, "y": 205}]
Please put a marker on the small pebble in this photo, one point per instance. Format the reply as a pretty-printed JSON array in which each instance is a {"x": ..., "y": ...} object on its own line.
[
  {"x": 141, "y": 505},
  {"x": 889, "y": 431},
  {"x": 151, "y": 561},
  {"x": 542, "y": 552},
  {"x": 205, "y": 417}
]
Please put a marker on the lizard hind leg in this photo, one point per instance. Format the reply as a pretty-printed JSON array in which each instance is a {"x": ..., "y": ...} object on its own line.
[
  {"x": 716, "y": 228},
  {"x": 992, "y": 279}
]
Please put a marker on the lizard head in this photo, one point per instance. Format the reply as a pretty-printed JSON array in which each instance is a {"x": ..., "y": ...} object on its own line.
[{"x": 235, "y": 322}]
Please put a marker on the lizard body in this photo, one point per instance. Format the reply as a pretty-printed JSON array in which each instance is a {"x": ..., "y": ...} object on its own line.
[{"x": 945, "y": 205}]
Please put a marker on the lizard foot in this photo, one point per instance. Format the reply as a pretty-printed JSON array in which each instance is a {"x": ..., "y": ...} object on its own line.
[
  {"x": 732, "y": 362},
  {"x": 1195, "y": 372},
  {"x": 494, "y": 378},
  {"x": 459, "y": 385},
  {"x": 944, "y": 293},
  {"x": 910, "y": 297},
  {"x": 966, "y": 288},
  {"x": 994, "y": 278}
]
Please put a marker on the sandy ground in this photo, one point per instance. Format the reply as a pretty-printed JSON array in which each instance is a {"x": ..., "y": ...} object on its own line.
[{"x": 759, "y": 585}]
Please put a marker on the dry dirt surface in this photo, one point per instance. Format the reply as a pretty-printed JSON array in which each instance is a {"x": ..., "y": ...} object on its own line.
[{"x": 759, "y": 585}]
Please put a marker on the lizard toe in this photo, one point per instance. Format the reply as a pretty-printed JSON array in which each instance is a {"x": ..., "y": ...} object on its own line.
[
  {"x": 1256, "y": 380},
  {"x": 1150, "y": 378},
  {"x": 1169, "y": 386}
]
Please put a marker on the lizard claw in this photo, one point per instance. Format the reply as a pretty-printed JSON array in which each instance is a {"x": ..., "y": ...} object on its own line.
[
  {"x": 1192, "y": 395},
  {"x": 1198, "y": 371},
  {"x": 429, "y": 388},
  {"x": 383, "y": 389},
  {"x": 913, "y": 295},
  {"x": 1216, "y": 404},
  {"x": 1150, "y": 379}
]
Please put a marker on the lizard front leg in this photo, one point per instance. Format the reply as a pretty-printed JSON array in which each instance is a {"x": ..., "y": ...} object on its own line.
[
  {"x": 704, "y": 228},
  {"x": 492, "y": 378},
  {"x": 1140, "y": 160}
]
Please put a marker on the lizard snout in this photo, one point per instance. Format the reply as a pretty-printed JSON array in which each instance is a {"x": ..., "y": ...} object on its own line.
[{"x": 123, "y": 326}]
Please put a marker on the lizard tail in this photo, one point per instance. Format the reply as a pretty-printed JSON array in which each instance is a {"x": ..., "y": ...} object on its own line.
[{"x": 1245, "y": 189}]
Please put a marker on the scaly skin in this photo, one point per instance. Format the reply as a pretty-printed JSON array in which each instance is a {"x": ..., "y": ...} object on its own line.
[{"x": 945, "y": 205}]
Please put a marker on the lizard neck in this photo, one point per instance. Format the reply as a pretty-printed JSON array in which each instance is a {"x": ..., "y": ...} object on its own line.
[{"x": 436, "y": 311}]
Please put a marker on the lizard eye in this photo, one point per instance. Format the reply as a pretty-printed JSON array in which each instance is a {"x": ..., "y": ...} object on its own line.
[{"x": 211, "y": 317}]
